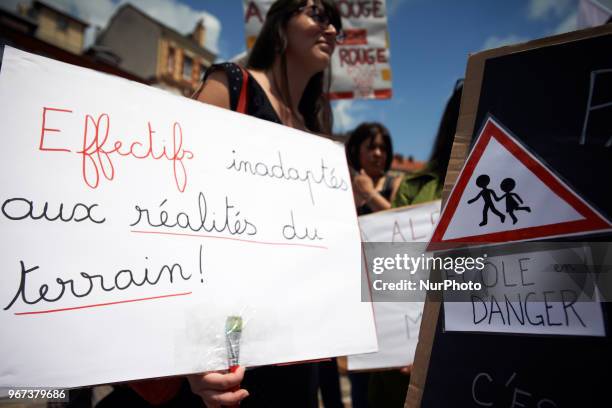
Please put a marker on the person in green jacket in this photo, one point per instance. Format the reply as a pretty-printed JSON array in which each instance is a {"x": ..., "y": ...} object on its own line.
[
  {"x": 388, "y": 388},
  {"x": 426, "y": 185}
]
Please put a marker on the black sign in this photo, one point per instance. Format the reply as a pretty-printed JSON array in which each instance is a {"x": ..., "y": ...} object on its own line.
[{"x": 558, "y": 101}]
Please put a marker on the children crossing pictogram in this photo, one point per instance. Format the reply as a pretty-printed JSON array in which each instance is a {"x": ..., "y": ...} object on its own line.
[
  {"x": 504, "y": 193},
  {"x": 512, "y": 199},
  {"x": 486, "y": 194}
]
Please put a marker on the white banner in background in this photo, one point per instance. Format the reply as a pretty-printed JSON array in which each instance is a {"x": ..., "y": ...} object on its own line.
[
  {"x": 360, "y": 65},
  {"x": 397, "y": 323},
  {"x": 133, "y": 222}
]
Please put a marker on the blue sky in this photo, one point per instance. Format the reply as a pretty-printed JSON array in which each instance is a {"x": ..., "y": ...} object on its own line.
[{"x": 430, "y": 44}]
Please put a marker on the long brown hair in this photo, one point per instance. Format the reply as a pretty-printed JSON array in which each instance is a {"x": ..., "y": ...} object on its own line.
[
  {"x": 314, "y": 105},
  {"x": 368, "y": 131},
  {"x": 440, "y": 154}
]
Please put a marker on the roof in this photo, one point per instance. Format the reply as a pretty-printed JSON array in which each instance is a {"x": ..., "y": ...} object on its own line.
[
  {"x": 25, "y": 20},
  {"x": 406, "y": 165},
  {"x": 38, "y": 3},
  {"x": 184, "y": 40},
  {"x": 30, "y": 43}
]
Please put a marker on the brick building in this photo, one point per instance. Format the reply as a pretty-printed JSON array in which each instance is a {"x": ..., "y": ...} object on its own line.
[
  {"x": 57, "y": 27},
  {"x": 147, "y": 48},
  {"x": 44, "y": 30}
]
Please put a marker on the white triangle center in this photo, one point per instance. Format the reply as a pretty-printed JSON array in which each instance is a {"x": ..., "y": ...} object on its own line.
[{"x": 546, "y": 207}]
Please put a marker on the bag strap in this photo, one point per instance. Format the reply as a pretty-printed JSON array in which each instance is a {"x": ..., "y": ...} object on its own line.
[{"x": 242, "y": 99}]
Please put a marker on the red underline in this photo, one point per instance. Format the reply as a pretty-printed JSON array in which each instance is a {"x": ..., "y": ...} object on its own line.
[
  {"x": 103, "y": 304},
  {"x": 229, "y": 238}
]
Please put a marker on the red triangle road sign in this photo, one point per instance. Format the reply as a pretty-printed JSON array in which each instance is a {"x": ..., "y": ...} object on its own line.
[{"x": 505, "y": 193}]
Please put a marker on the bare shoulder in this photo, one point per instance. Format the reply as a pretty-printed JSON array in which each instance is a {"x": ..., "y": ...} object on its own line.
[
  {"x": 260, "y": 77},
  {"x": 397, "y": 180},
  {"x": 215, "y": 90},
  {"x": 395, "y": 185}
]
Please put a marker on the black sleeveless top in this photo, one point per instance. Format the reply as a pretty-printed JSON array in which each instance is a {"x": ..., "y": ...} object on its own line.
[
  {"x": 385, "y": 192},
  {"x": 258, "y": 104},
  {"x": 292, "y": 385}
]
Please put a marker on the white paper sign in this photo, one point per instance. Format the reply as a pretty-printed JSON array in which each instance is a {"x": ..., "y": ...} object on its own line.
[
  {"x": 134, "y": 222},
  {"x": 360, "y": 65},
  {"x": 397, "y": 323},
  {"x": 530, "y": 293}
]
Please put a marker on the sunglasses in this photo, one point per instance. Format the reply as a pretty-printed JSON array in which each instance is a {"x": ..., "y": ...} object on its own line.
[{"x": 319, "y": 16}]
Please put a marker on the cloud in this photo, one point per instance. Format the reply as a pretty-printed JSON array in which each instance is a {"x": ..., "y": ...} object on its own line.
[
  {"x": 495, "y": 41},
  {"x": 347, "y": 114},
  {"x": 173, "y": 13},
  {"x": 542, "y": 9},
  {"x": 179, "y": 16},
  {"x": 394, "y": 5},
  {"x": 342, "y": 116},
  {"x": 564, "y": 12},
  {"x": 570, "y": 23},
  {"x": 94, "y": 12}
]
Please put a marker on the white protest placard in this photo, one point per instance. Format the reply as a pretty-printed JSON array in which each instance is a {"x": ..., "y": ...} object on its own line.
[
  {"x": 360, "y": 64},
  {"x": 397, "y": 323},
  {"x": 531, "y": 293},
  {"x": 133, "y": 222}
]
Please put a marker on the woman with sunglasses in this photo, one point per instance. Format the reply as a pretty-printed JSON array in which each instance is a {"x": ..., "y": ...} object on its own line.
[
  {"x": 284, "y": 80},
  {"x": 285, "y": 69}
]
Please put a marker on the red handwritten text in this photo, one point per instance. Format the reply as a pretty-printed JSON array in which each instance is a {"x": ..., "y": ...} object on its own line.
[
  {"x": 362, "y": 56},
  {"x": 98, "y": 151},
  {"x": 46, "y": 129},
  {"x": 361, "y": 9}
]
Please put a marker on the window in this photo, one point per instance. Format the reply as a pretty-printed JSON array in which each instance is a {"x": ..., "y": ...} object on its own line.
[
  {"x": 61, "y": 23},
  {"x": 171, "y": 59},
  {"x": 187, "y": 67}
]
